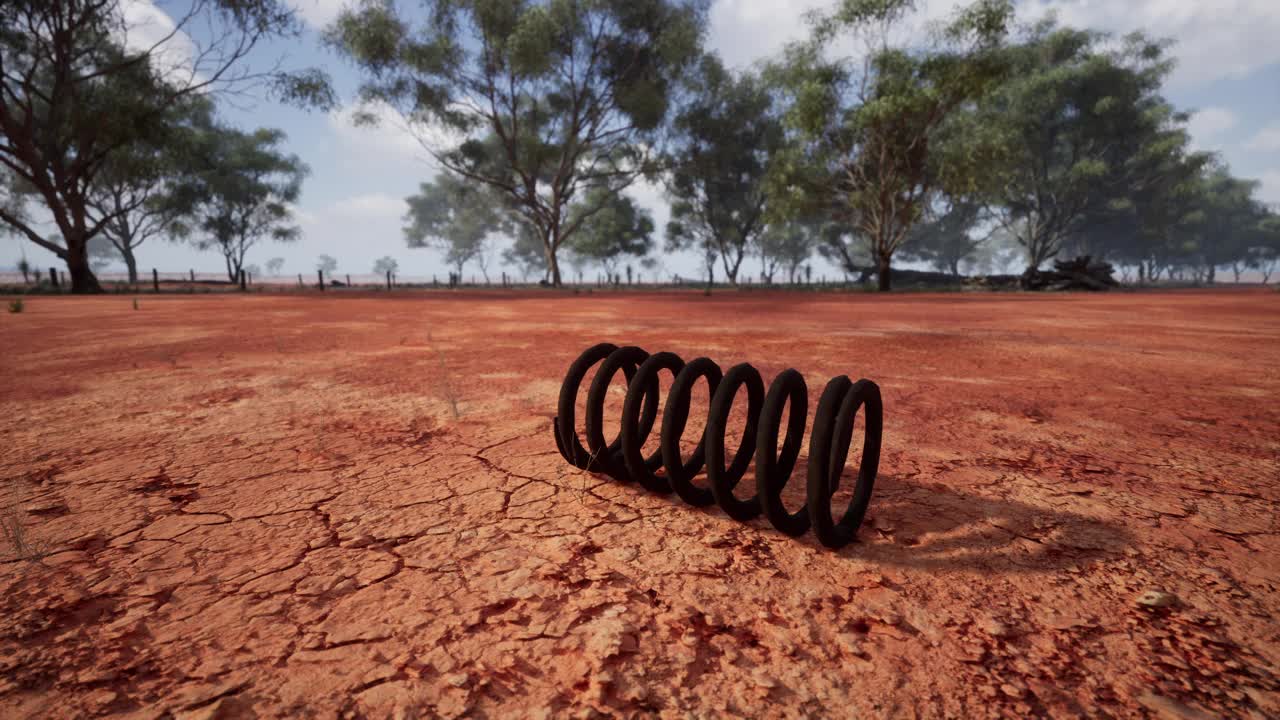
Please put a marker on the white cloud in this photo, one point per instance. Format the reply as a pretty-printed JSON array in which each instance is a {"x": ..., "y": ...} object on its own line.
[
  {"x": 1214, "y": 40},
  {"x": 148, "y": 27},
  {"x": 318, "y": 13},
  {"x": 1270, "y": 190},
  {"x": 1266, "y": 140},
  {"x": 745, "y": 31},
  {"x": 1208, "y": 124},
  {"x": 370, "y": 205},
  {"x": 390, "y": 136}
]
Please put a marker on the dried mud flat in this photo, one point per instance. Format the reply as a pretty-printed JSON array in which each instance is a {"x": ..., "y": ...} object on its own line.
[{"x": 265, "y": 507}]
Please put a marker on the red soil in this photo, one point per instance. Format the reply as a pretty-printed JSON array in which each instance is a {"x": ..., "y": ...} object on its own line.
[{"x": 265, "y": 506}]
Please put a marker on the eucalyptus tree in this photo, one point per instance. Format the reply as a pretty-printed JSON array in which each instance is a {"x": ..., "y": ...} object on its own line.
[
  {"x": 1264, "y": 256},
  {"x": 72, "y": 95},
  {"x": 275, "y": 265},
  {"x": 384, "y": 265},
  {"x": 525, "y": 252},
  {"x": 1229, "y": 221},
  {"x": 1163, "y": 208},
  {"x": 539, "y": 100},
  {"x": 617, "y": 230},
  {"x": 723, "y": 139},
  {"x": 453, "y": 215},
  {"x": 136, "y": 190},
  {"x": 863, "y": 131},
  {"x": 240, "y": 189},
  {"x": 1077, "y": 122},
  {"x": 786, "y": 246},
  {"x": 949, "y": 234}
]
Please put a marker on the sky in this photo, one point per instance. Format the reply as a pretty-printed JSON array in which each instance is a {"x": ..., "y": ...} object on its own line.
[{"x": 352, "y": 204}]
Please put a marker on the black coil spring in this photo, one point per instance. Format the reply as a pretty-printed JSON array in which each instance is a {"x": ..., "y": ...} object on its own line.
[{"x": 829, "y": 442}]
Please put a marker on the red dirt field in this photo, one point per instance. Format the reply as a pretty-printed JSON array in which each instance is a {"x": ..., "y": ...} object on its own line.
[{"x": 264, "y": 506}]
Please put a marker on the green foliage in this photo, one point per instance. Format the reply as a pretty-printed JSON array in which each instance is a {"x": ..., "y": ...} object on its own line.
[
  {"x": 136, "y": 193},
  {"x": 537, "y": 101},
  {"x": 327, "y": 264},
  {"x": 16, "y": 305},
  {"x": 786, "y": 247},
  {"x": 945, "y": 239},
  {"x": 239, "y": 190},
  {"x": 863, "y": 139},
  {"x": 527, "y": 252},
  {"x": 1079, "y": 126},
  {"x": 456, "y": 216},
  {"x": 613, "y": 227},
  {"x": 384, "y": 265},
  {"x": 75, "y": 99},
  {"x": 724, "y": 138}
]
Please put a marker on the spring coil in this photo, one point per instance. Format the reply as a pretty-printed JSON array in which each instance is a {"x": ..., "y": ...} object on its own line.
[{"x": 829, "y": 442}]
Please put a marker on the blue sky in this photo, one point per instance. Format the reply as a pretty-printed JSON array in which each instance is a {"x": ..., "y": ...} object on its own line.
[{"x": 1228, "y": 72}]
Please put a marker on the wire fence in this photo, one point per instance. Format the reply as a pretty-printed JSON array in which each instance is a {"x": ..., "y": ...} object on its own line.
[
  {"x": 57, "y": 277},
  {"x": 155, "y": 279}
]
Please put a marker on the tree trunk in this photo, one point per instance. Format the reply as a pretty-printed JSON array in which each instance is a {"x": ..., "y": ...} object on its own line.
[
  {"x": 130, "y": 262},
  {"x": 553, "y": 266},
  {"x": 882, "y": 273},
  {"x": 83, "y": 280}
]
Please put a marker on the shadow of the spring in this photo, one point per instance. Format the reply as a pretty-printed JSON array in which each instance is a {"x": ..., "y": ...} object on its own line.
[
  {"x": 933, "y": 526},
  {"x": 936, "y": 527}
]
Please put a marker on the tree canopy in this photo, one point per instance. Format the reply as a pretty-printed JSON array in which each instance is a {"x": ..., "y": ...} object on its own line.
[
  {"x": 538, "y": 101},
  {"x": 73, "y": 97},
  {"x": 863, "y": 132},
  {"x": 618, "y": 229},
  {"x": 723, "y": 140},
  {"x": 453, "y": 215},
  {"x": 240, "y": 189}
]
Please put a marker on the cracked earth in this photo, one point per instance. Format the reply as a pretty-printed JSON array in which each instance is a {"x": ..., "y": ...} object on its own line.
[{"x": 265, "y": 506}]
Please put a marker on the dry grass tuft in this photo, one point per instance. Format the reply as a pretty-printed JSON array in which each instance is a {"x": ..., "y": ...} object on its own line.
[{"x": 447, "y": 389}]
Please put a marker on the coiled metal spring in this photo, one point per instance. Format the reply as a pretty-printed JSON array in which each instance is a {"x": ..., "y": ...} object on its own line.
[{"x": 829, "y": 442}]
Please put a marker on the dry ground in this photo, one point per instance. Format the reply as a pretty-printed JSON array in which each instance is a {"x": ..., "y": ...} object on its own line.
[{"x": 265, "y": 506}]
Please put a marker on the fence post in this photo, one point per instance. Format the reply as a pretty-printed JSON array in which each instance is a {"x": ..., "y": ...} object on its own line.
[
  {"x": 320, "y": 275},
  {"x": 388, "y": 279},
  {"x": 300, "y": 280},
  {"x": 62, "y": 277},
  {"x": 348, "y": 281},
  {"x": 243, "y": 275},
  {"x": 193, "y": 276},
  {"x": 53, "y": 276},
  {"x": 155, "y": 279}
]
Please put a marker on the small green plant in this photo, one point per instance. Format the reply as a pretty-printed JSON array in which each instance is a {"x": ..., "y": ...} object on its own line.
[
  {"x": 16, "y": 305},
  {"x": 135, "y": 303}
]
